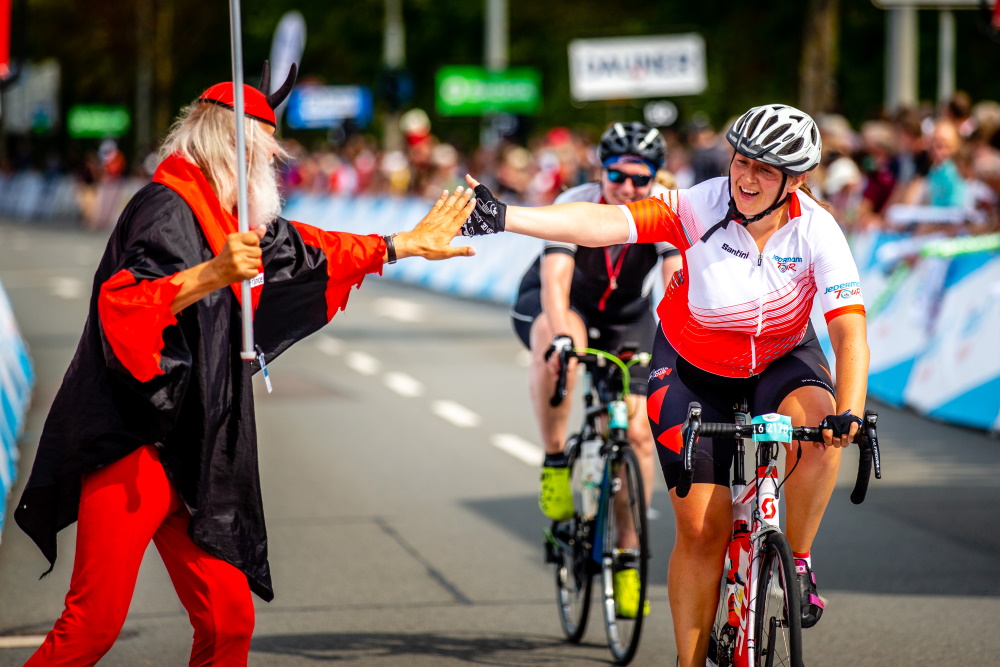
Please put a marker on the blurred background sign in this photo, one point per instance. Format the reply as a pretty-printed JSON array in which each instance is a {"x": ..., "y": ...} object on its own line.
[
  {"x": 94, "y": 121},
  {"x": 31, "y": 103},
  {"x": 630, "y": 67},
  {"x": 476, "y": 91},
  {"x": 314, "y": 107},
  {"x": 286, "y": 48}
]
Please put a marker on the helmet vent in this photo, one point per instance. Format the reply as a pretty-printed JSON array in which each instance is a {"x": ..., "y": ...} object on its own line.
[
  {"x": 792, "y": 147},
  {"x": 776, "y": 134}
]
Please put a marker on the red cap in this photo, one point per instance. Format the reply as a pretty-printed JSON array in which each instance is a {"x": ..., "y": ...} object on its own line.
[{"x": 255, "y": 103}]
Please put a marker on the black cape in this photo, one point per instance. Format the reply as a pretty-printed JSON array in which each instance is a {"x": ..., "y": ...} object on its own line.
[{"x": 199, "y": 409}]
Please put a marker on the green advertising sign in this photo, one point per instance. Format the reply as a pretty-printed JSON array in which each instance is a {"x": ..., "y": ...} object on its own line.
[
  {"x": 475, "y": 91},
  {"x": 97, "y": 122}
]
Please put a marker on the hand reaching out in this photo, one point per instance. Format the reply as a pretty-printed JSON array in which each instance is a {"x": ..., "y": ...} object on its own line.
[{"x": 431, "y": 237}]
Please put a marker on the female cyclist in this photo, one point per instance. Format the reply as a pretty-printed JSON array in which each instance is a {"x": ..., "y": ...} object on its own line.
[{"x": 734, "y": 323}]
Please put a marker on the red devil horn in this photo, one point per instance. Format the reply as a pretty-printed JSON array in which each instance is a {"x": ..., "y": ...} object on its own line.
[{"x": 278, "y": 96}]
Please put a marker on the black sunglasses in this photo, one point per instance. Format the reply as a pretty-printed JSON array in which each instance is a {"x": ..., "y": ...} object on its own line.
[{"x": 638, "y": 180}]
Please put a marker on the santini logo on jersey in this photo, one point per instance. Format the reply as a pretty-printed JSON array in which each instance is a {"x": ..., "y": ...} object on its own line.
[
  {"x": 844, "y": 290},
  {"x": 786, "y": 263},
  {"x": 742, "y": 254}
]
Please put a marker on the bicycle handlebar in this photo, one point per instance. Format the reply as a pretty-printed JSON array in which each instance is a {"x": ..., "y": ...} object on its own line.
[
  {"x": 866, "y": 439},
  {"x": 592, "y": 359}
]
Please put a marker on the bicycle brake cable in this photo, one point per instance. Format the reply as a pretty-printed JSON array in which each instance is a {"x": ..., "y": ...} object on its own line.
[{"x": 798, "y": 457}]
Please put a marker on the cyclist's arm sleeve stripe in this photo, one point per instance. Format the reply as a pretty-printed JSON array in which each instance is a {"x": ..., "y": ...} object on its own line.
[
  {"x": 666, "y": 250},
  {"x": 632, "y": 232},
  {"x": 836, "y": 312},
  {"x": 653, "y": 220}
]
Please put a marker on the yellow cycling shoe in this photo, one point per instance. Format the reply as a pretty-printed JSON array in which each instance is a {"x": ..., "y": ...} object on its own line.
[
  {"x": 627, "y": 594},
  {"x": 555, "y": 498}
]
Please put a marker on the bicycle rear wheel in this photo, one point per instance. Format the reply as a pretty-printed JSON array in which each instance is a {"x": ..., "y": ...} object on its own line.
[
  {"x": 569, "y": 548},
  {"x": 778, "y": 624},
  {"x": 625, "y": 556}
]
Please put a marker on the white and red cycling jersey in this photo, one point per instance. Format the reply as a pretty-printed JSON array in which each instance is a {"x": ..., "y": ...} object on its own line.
[{"x": 733, "y": 309}]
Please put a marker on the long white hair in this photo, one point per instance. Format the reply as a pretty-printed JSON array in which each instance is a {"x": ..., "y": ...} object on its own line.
[{"x": 205, "y": 135}]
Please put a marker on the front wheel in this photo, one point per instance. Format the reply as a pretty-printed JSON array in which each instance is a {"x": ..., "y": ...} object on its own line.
[
  {"x": 625, "y": 555},
  {"x": 778, "y": 623}
]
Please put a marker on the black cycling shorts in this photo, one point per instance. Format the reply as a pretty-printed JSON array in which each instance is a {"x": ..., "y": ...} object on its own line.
[
  {"x": 674, "y": 383},
  {"x": 603, "y": 335}
]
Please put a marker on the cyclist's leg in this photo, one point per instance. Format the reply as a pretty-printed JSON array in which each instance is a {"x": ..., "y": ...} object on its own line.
[
  {"x": 532, "y": 327},
  {"x": 215, "y": 594},
  {"x": 121, "y": 506},
  {"x": 704, "y": 518}
]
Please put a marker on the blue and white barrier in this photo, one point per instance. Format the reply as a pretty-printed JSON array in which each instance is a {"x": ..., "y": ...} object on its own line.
[
  {"x": 16, "y": 380},
  {"x": 933, "y": 303}
]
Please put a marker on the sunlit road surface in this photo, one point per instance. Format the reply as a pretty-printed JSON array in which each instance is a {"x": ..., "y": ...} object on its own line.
[{"x": 399, "y": 469}]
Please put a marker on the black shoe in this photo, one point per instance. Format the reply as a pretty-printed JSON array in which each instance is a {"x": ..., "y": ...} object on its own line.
[{"x": 812, "y": 604}]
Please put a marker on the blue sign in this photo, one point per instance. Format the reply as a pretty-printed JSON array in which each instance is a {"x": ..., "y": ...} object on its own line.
[{"x": 315, "y": 107}]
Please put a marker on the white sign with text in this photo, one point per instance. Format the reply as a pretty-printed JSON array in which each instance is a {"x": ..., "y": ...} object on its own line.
[{"x": 631, "y": 67}]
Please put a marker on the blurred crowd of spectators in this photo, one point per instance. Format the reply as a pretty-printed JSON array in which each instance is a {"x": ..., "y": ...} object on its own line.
[{"x": 919, "y": 169}]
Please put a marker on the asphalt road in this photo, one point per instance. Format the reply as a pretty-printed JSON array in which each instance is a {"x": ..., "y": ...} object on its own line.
[{"x": 399, "y": 482}]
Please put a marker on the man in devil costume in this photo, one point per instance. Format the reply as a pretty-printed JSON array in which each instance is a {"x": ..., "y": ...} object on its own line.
[{"x": 152, "y": 434}]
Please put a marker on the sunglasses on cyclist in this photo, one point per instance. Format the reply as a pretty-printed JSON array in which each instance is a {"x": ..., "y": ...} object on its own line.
[{"x": 638, "y": 180}]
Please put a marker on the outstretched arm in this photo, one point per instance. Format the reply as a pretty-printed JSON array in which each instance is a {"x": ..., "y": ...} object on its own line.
[{"x": 592, "y": 225}]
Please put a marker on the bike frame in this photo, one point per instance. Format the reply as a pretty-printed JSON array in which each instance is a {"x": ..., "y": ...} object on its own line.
[{"x": 757, "y": 503}]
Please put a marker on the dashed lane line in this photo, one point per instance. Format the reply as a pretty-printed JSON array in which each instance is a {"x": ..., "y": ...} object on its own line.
[
  {"x": 403, "y": 384},
  {"x": 519, "y": 448},
  {"x": 362, "y": 362},
  {"x": 455, "y": 414},
  {"x": 22, "y": 641}
]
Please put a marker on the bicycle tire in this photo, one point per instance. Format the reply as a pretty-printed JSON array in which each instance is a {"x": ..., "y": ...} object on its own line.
[
  {"x": 626, "y": 495},
  {"x": 574, "y": 571},
  {"x": 778, "y": 624}
]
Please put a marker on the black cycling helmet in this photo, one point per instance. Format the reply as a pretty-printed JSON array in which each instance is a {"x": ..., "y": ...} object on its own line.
[{"x": 633, "y": 139}]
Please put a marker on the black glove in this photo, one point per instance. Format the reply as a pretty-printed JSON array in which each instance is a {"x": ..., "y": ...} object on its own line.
[
  {"x": 559, "y": 343},
  {"x": 489, "y": 216},
  {"x": 841, "y": 424}
]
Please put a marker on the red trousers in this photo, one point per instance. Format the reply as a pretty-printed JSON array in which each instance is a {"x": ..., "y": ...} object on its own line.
[{"x": 122, "y": 507}]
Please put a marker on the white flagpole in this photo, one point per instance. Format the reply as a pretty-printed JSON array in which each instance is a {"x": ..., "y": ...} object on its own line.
[{"x": 241, "y": 166}]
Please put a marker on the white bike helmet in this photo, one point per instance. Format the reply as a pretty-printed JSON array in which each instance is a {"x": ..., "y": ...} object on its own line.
[{"x": 778, "y": 135}]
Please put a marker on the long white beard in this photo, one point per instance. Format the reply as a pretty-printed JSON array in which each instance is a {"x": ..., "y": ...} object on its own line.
[{"x": 263, "y": 195}]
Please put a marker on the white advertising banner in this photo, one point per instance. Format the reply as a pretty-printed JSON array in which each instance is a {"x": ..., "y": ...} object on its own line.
[{"x": 631, "y": 67}]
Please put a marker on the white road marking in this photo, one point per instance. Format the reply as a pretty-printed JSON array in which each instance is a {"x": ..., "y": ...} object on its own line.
[
  {"x": 22, "y": 641},
  {"x": 331, "y": 346},
  {"x": 361, "y": 362},
  {"x": 455, "y": 414},
  {"x": 66, "y": 288},
  {"x": 403, "y": 384},
  {"x": 399, "y": 309},
  {"x": 519, "y": 448}
]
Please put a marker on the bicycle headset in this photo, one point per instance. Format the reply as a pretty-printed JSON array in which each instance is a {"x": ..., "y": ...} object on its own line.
[
  {"x": 777, "y": 135},
  {"x": 636, "y": 139}
]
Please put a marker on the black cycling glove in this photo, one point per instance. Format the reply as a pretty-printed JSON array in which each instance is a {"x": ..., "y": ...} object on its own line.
[
  {"x": 489, "y": 216},
  {"x": 841, "y": 424}
]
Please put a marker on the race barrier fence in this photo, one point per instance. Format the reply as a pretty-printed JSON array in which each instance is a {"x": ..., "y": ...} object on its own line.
[{"x": 16, "y": 381}]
